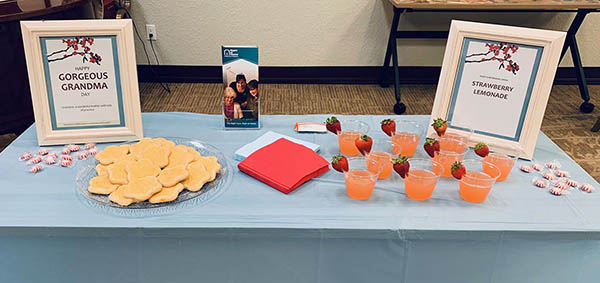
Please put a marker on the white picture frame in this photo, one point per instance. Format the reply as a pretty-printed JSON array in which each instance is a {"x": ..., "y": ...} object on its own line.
[
  {"x": 112, "y": 100},
  {"x": 484, "y": 100}
]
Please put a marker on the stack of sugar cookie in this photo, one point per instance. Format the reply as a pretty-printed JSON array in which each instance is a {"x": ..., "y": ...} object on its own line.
[{"x": 153, "y": 170}]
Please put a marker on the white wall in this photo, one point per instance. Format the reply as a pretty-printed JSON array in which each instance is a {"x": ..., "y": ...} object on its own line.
[{"x": 316, "y": 32}]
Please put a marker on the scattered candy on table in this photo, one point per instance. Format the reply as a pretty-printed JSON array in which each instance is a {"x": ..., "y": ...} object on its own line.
[
  {"x": 25, "y": 156},
  {"x": 93, "y": 151},
  {"x": 537, "y": 167},
  {"x": 526, "y": 168},
  {"x": 74, "y": 147},
  {"x": 35, "y": 168},
  {"x": 557, "y": 191},
  {"x": 43, "y": 151},
  {"x": 65, "y": 150},
  {"x": 549, "y": 176},
  {"x": 552, "y": 165},
  {"x": 35, "y": 160},
  {"x": 572, "y": 183},
  {"x": 65, "y": 163},
  {"x": 82, "y": 155},
  {"x": 540, "y": 183},
  {"x": 53, "y": 154},
  {"x": 66, "y": 157},
  {"x": 50, "y": 160},
  {"x": 561, "y": 185},
  {"x": 587, "y": 188},
  {"x": 561, "y": 173},
  {"x": 89, "y": 146}
]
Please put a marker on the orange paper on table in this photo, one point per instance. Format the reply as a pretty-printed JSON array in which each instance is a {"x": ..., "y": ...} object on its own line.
[{"x": 284, "y": 165}]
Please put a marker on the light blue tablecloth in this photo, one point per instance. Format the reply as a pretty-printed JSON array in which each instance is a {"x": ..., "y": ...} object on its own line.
[{"x": 253, "y": 233}]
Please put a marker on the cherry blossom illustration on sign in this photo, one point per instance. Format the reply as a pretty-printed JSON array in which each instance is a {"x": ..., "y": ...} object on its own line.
[
  {"x": 502, "y": 53},
  {"x": 78, "y": 46}
]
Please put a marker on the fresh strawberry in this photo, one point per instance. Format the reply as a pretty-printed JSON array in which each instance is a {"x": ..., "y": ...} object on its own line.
[
  {"x": 401, "y": 165},
  {"x": 431, "y": 146},
  {"x": 482, "y": 149},
  {"x": 339, "y": 163},
  {"x": 440, "y": 126},
  {"x": 364, "y": 144},
  {"x": 388, "y": 126},
  {"x": 458, "y": 170},
  {"x": 333, "y": 125}
]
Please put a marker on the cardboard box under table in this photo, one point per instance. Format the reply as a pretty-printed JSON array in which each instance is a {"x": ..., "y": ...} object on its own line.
[{"x": 252, "y": 233}]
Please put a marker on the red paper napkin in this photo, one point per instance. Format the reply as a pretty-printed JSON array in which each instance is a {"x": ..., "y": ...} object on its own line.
[{"x": 284, "y": 165}]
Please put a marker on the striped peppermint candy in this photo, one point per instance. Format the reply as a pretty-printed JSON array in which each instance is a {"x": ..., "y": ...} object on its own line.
[
  {"x": 74, "y": 147},
  {"x": 540, "y": 183},
  {"x": 35, "y": 168},
  {"x": 549, "y": 176},
  {"x": 561, "y": 173},
  {"x": 53, "y": 154},
  {"x": 66, "y": 157},
  {"x": 572, "y": 183},
  {"x": 89, "y": 146},
  {"x": 65, "y": 150},
  {"x": 552, "y": 165},
  {"x": 588, "y": 188},
  {"x": 65, "y": 163},
  {"x": 26, "y": 156},
  {"x": 82, "y": 155},
  {"x": 93, "y": 151},
  {"x": 35, "y": 160},
  {"x": 526, "y": 168},
  {"x": 557, "y": 191},
  {"x": 43, "y": 151},
  {"x": 561, "y": 185},
  {"x": 50, "y": 160},
  {"x": 537, "y": 167}
]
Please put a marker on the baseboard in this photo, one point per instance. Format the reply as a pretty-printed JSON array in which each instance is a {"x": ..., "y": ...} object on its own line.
[{"x": 325, "y": 75}]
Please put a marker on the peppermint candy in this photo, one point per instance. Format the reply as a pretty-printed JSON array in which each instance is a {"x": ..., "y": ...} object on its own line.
[
  {"x": 572, "y": 183},
  {"x": 35, "y": 168},
  {"x": 557, "y": 191},
  {"x": 537, "y": 167},
  {"x": 25, "y": 156},
  {"x": 89, "y": 146},
  {"x": 541, "y": 183},
  {"x": 526, "y": 168},
  {"x": 561, "y": 173},
  {"x": 35, "y": 160},
  {"x": 65, "y": 163},
  {"x": 82, "y": 155},
  {"x": 552, "y": 165},
  {"x": 50, "y": 160},
  {"x": 66, "y": 157},
  {"x": 93, "y": 151},
  {"x": 587, "y": 188},
  {"x": 549, "y": 176},
  {"x": 65, "y": 150},
  {"x": 43, "y": 151},
  {"x": 53, "y": 154},
  {"x": 74, "y": 147},
  {"x": 561, "y": 185}
]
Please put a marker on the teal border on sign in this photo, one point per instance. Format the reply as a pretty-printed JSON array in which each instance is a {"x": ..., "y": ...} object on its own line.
[
  {"x": 113, "y": 39},
  {"x": 463, "y": 54}
]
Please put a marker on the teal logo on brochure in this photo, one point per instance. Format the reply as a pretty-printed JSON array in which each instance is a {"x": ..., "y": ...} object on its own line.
[{"x": 228, "y": 52}]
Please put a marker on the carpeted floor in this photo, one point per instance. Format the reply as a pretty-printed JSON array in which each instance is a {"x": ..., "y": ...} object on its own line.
[{"x": 563, "y": 122}]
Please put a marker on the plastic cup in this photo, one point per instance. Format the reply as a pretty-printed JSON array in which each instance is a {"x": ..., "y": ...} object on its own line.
[
  {"x": 460, "y": 131},
  {"x": 505, "y": 161},
  {"x": 451, "y": 150},
  {"x": 361, "y": 177},
  {"x": 407, "y": 137},
  {"x": 422, "y": 178},
  {"x": 476, "y": 184},
  {"x": 351, "y": 129},
  {"x": 382, "y": 152}
]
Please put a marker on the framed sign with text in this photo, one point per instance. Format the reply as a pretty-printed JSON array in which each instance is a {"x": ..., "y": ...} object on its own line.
[
  {"x": 497, "y": 79},
  {"x": 83, "y": 80}
]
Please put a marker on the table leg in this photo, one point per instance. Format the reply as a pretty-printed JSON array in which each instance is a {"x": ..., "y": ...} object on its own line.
[
  {"x": 399, "y": 107},
  {"x": 383, "y": 81},
  {"x": 571, "y": 42},
  {"x": 596, "y": 126}
]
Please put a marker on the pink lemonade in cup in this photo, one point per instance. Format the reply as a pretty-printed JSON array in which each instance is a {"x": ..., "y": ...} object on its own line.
[
  {"x": 351, "y": 130},
  {"x": 361, "y": 177},
  {"x": 422, "y": 178},
  {"x": 407, "y": 137},
  {"x": 382, "y": 153},
  {"x": 458, "y": 131},
  {"x": 451, "y": 150},
  {"x": 504, "y": 161},
  {"x": 475, "y": 185}
]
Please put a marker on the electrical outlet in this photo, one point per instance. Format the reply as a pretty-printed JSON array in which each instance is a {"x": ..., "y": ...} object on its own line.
[{"x": 151, "y": 32}]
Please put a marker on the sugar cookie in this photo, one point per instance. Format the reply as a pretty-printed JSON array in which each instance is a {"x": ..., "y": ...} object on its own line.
[
  {"x": 140, "y": 169},
  {"x": 142, "y": 189},
  {"x": 138, "y": 148},
  {"x": 111, "y": 154},
  {"x": 101, "y": 185},
  {"x": 118, "y": 198},
  {"x": 125, "y": 147},
  {"x": 117, "y": 173},
  {"x": 158, "y": 155},
  {"x": 179, "y": 157},
  {"x": 194, "y": 153},
  {"x": 212, "y": 165},
  {"x": 165, "y": 143},
  {"x": 197, "y": 178},
  {"x": 102, "y": 170},
  {"x": 167, "y": 194},
  {"x": 168, "y": 177}
]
